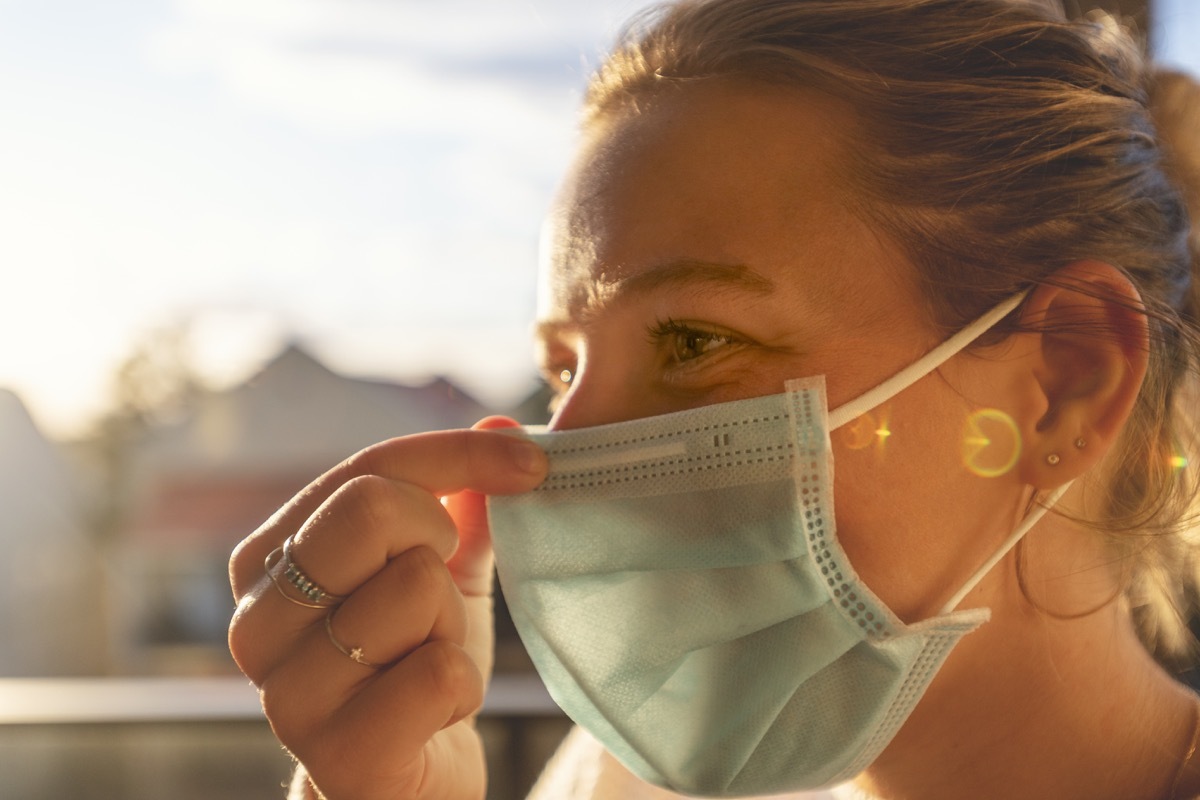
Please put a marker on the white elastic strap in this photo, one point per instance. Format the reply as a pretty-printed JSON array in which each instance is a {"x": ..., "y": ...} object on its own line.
[
  {"x": 1030, "y": 520},
  {"x": 922, "y": 366}
]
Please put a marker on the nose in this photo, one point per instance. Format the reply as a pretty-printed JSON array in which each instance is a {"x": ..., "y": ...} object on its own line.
[
  {"x": 581, "y": 407},
  {"x": 598, "y": 395}
]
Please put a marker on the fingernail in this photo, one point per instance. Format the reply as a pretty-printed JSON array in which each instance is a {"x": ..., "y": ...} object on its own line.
[{"x": 528, "y": 457}]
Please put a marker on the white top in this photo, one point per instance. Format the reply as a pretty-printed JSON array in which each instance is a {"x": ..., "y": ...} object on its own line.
[{"x": 583, "y": 770}]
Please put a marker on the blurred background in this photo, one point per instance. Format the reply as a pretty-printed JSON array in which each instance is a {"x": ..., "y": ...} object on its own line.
[{"x": 239, "y": 240}]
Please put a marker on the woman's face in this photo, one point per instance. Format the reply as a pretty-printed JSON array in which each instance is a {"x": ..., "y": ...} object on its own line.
[{"x": 703, "y": 250}]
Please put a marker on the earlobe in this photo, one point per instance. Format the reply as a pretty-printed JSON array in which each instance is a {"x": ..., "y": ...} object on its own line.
[{"x": 1091, "y": 358}]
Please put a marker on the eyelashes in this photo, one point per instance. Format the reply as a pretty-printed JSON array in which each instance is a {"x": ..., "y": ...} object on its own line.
[
  {"x": 680, "y": 352},
  {"x": 685, "y": 342}
]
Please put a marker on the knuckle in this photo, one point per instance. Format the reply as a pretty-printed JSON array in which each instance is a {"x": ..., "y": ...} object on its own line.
[
  {"x": 368, "y": 492},
  {"x": 465, "y": 448},
  {"x": 450, "y": 673},
  {"x": 244, "y": 644},
  {"x": 246, "y": 562},
  {"x": 425, "y": 569},
  {"x": 366, "y": 505},
  {"x": 238, "y": 568},
  {"x": 238, "y": 557},
  {"x": 475, "y": 450},
  {"x": 239, "y": 638},
  {"x": 284, "y": 711}
]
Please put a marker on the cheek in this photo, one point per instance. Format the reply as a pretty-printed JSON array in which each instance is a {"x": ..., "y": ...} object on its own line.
[{"x": 913, "y": 520}]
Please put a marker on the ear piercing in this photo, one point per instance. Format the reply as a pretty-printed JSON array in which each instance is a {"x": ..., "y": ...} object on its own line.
[{"x": 1054, "y": 459}]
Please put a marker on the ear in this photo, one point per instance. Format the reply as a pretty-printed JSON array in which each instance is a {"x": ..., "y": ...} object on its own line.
[{"x": 1088, "y": 363}]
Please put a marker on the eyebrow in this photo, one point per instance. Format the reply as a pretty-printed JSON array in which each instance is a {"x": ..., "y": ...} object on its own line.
[
  {"x": 688, "y": 272},
  {"x": 685, "y": 273}
]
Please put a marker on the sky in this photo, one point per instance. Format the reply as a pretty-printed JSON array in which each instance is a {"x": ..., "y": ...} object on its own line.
[
  {"x": 364, "y": 177},
  {"x": 1176, "y": 33}
]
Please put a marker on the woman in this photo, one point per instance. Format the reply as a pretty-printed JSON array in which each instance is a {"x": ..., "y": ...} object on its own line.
[{"x": 772, "y": 190}]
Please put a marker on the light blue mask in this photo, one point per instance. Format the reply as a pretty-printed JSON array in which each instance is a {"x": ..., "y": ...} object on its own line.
[{"x": 678, "y": 583}]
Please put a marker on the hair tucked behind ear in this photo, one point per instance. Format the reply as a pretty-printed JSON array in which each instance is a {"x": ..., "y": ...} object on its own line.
[{"x": 998, "y": 143}]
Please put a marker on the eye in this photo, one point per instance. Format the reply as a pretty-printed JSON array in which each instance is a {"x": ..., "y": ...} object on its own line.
[{"x": 686, "y": 342}]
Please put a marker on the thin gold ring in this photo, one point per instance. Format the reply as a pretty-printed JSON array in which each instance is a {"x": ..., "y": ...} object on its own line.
[{"x": 355, "y": 654}]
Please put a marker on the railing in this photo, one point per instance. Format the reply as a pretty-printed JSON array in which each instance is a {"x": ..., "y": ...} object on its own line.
[
  {"x": 185, "y": 738},
  {"x": 52, "y": 701}
]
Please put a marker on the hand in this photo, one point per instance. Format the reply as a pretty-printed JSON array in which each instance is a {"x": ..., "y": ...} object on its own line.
[{"x": 400, "y": 531}]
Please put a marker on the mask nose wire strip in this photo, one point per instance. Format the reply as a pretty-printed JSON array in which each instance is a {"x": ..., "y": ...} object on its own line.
[
  {"x": 1030, "y": 520},
  {"x": 922, "y": 366}
]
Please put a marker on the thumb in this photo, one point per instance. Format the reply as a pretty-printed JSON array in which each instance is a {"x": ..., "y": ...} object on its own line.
[{"x": 471, "y": 564}]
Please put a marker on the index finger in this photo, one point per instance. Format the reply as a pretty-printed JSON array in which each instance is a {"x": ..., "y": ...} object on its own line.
[{"x": 441, "y": 463}]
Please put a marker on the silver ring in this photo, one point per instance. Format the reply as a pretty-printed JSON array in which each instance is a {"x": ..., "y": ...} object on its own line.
[
  {"x": 355, "y": 654},
  {"x": 314, "y": 596},
  {"x": 304, "y": 584}
]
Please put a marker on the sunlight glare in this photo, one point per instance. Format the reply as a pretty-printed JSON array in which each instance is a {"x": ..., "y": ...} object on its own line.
[{"x": 991, "y": 443}]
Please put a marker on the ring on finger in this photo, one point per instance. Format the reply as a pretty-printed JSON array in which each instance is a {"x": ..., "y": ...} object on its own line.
[
  {"x": 355, "y": 654},
  {"x": 314, "y": 596}
]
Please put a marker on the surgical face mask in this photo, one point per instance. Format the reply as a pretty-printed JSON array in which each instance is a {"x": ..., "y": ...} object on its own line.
[{"x": 680, "y": 587}]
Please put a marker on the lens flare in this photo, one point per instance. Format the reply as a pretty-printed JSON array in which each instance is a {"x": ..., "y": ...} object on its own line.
[
  {"x": 867, "y": 429},
  {"x": 1179, "y": 462},
  {"x": 857, "y": 433},
  {"x": 991, "y": 443},
  {"x": 882, "y": 431}
]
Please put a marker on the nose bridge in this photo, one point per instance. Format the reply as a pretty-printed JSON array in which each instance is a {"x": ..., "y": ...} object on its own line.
[
  {"x": 599, "y": 394},
  {"x": 587, "y": 403}
]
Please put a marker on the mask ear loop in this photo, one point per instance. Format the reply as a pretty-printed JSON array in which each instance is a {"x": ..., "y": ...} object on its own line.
[
  {"x": 1023, "y": 528},
  {"x": 913, "y": 373},
  {"x": 924, "y": 365}
]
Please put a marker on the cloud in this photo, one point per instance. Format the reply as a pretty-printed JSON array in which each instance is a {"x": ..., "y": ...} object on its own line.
[
  {"x": 369, "y": 174},
  {"x": 358, "y": 68}
]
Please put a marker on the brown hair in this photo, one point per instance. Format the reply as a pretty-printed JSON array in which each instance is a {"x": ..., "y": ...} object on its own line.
[{"x": 1000, "y": 143}]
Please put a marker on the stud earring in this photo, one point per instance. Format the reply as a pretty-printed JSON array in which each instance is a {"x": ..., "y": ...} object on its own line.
[
  {"x": 1053, "y": 459},
  {"x": 1080, "y": 443}
]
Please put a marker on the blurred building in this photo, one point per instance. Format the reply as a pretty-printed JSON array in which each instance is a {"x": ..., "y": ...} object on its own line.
[
  {"x": 200, "y": 484},
  {"x": 95, "y": 584},
  {"x": 51, "y": 615},
  {"x": 116, "y": 553}
]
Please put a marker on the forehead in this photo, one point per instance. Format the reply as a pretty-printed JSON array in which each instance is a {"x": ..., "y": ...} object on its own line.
[{"x": 722, "y": 173}]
